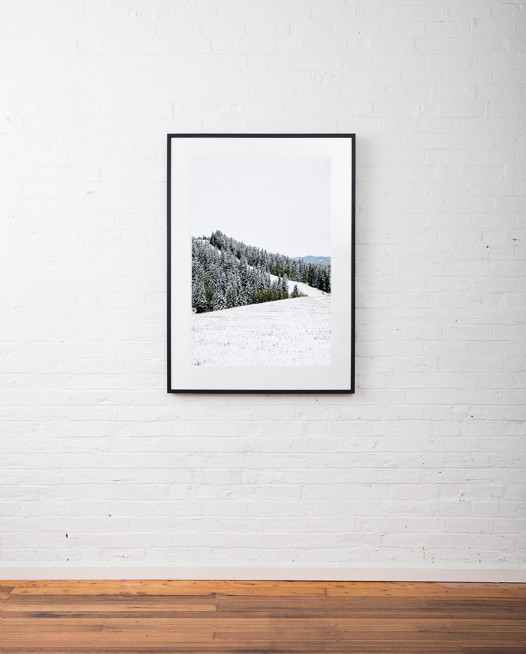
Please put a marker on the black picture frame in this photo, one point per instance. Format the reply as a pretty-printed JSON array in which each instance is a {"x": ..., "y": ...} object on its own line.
[{"x": 174, "y": 242}]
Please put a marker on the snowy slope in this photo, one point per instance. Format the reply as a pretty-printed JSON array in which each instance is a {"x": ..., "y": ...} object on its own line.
[
  {"x": 302, "y": 288},
  {"x": 295, "y": 332}
]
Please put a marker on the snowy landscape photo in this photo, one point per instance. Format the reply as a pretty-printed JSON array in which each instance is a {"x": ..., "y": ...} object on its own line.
[
  {"x": 264, "y": 300},
  {"x": 260, "y": 263}
]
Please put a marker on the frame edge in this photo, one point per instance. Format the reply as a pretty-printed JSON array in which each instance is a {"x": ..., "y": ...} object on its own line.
[{"x": 352, "y": 389}]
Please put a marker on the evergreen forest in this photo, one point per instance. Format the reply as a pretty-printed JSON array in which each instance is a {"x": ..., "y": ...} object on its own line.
[{"x": 227, "y": 273}]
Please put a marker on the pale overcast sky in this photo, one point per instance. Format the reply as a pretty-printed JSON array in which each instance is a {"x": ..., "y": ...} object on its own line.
[{"x": 279, "y": 204}]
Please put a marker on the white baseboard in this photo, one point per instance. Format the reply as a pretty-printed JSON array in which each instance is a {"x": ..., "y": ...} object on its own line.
[{"x": 265, "y": 573}]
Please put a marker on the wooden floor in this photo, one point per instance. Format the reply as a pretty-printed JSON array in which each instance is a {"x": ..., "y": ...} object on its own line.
[{"x": 246, "y": 617}]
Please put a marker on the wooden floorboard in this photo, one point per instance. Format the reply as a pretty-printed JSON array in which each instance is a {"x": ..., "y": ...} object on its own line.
[{"x": 249, "y": 617}]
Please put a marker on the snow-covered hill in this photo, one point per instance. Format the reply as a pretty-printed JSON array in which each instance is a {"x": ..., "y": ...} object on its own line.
[
  {"x": 302, "y": 288},
  {"x": 293, "y": 332}
]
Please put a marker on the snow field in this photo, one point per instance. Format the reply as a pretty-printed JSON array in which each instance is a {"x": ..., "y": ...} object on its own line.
[
  {"x": 302, "y": 287},
  {"x": 294, "y": 332}
]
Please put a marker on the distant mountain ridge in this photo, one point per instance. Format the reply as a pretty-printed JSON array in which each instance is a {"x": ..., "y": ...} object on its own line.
[{"x": 320, "y": 261}]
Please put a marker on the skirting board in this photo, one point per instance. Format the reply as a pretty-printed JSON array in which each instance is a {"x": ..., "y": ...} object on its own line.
[{"x": 268, "y": 573}]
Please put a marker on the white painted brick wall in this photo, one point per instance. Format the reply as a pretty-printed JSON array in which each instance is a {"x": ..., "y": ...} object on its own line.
[{"x": 99, "y": 466}]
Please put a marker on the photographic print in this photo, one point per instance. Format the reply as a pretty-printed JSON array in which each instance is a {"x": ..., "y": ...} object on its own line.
[{"x": 260, "y": 263}]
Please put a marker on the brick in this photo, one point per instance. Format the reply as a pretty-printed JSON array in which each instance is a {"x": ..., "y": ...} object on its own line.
[{"x": 423, "y": 464}]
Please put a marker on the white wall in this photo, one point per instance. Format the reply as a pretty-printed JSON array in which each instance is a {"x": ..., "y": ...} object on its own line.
[{"x": 421, "y": 468}]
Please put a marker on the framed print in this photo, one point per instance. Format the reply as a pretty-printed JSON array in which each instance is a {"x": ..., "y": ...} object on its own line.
[{"x": 261, "y": 263}]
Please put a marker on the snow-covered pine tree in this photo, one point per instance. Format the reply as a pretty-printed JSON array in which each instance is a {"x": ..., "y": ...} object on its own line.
[{"x": 284, "y": 288}]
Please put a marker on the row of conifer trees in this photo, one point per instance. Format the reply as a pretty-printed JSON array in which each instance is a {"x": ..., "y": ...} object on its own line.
[
  {"x": 227, "y": 273},
  {"x": 313, "y": 274}
]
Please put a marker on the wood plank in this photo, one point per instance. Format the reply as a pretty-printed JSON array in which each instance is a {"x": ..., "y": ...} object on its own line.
[
  {"x": 266, "y": 588},
  {"x": 239, "y": 617},
  {"x": 428, "y": 589},
  {"x": 290, "y": 614},
  {"x": 140, "y": 587},
  {"x": 262, "y": 631},
  {"x": 278, "y": 649}
]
